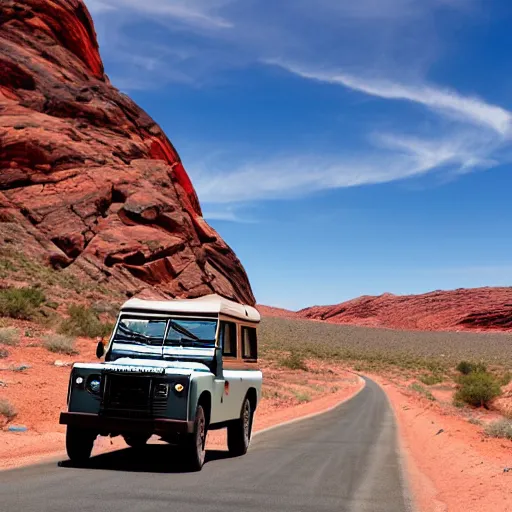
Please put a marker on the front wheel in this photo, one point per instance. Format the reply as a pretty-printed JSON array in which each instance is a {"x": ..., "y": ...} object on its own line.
[
  {"x": 79, "y": 443},
  {"x": 239, "y": 431},
  {"x": 194, "y": 450}
]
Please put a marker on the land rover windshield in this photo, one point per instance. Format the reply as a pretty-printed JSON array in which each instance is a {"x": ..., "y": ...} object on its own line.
[{"x": 162, "y": 338}]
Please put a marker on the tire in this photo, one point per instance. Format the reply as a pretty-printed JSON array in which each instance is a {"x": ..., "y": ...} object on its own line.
[
  {"x": 136, "y": 440},
  {"x": 194, "y": 451},
  {"x": 239, "y": 431},
  {"x": 79, "y": 443}
]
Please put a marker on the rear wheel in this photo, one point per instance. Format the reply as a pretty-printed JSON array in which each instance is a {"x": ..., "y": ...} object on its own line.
[
  {"x": 239, "y": 431},
  {"x": 79, "y": 443},
  {"x": 194, "y": 445},
  {"x": 136, "y": 440}
]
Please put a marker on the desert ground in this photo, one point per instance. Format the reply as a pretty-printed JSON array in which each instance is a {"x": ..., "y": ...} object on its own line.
[{"x": 458, "y": 456}]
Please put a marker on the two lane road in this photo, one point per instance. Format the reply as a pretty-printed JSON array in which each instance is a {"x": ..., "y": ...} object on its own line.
[{"x": 346, "y": 460}]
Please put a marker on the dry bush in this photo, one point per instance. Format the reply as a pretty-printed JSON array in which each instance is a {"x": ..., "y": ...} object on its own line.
[
  {"x": 4, "y": 353},
  {"x": 294, "y": 361},
  {"x": 9, "y": 336},
  {"x": 415, "y": 386},
  {"x": 431, "y": 379},
  {"x": 60, "y": 344},
  {"x": 501, "y": 428},
  {"x": 21, "y": 303},
  {"x": 477, "y": 389},
  {"x": 7, "y": 410},
  {"x": 83, "y": 321}
]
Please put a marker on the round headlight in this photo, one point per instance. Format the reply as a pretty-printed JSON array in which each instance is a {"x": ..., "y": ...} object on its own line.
[
  {"x": 79, "y": 380},
  {"x": 94, "y": 385}
]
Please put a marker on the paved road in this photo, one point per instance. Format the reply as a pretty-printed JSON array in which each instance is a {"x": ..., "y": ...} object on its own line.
[{"x": 342, "y": 461}]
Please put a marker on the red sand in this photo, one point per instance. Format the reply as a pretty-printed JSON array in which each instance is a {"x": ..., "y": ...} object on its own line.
[{"x": 457, "y": 470}]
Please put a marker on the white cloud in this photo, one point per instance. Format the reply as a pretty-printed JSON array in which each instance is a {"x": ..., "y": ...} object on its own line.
[
  {"x": 391, "y": 158},
  {"x": 446, "y": 101}
]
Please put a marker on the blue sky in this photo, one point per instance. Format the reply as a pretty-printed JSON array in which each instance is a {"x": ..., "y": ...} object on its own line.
[{"x": 340, "y": 147}]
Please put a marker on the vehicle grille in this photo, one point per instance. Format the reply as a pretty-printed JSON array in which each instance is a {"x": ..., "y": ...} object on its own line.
[{"x": 135, "y": 396}]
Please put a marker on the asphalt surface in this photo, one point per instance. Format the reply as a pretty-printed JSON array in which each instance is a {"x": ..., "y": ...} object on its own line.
[{"x": 345, "y": 460}]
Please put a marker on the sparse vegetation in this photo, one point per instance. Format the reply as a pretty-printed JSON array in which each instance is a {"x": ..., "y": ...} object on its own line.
[
  {"x": 9, "y": 336},
  {"x": 501, "y": 429},
  {"x": 83, "y": 321},
  {"x": 21, "y": 303},
  {"x": 431, "y": 379},
  {"x": 475, "y": 421},
  {"x": 60, "y": 344},
  {"x": 302, "y": 396},
  {"x": 270, "y": 393},
  {"x": 4, "y": 353},
  {"x": 418, "y": 388},
  {"x": 477, "y": 389},
  {"x": 7, "y": 410},
  {"x": 373, "y": 349},
  {"x": 294, "y": 361}
]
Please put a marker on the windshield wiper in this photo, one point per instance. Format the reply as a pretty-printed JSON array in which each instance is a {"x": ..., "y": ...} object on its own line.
[{"x": 182, "y": 330}]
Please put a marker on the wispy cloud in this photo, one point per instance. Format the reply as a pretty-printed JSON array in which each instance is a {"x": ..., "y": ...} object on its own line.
[
  {"x": 444, "y": 100},
  {"x": 193, "y": 12},
  {"x": 390, "y": 158}
]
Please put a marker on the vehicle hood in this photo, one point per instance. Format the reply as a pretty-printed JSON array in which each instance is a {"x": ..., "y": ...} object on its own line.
[{"x": 148, "y": 366}]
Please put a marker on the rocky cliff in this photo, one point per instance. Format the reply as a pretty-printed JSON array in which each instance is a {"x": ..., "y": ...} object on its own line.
[
  {"x": 88, "y": 181},
  {"x": 463, "y": 309}
]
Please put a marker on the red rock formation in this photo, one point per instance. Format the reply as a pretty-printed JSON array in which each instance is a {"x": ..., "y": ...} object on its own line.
[
  {"x": 271, "y": 311},
  {"x": 475, "y": 309},
  {"x": 87, "y": 179}
]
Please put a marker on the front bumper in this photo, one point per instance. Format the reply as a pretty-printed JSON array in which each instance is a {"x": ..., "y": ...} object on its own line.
[{"x": 110, "y": 424}]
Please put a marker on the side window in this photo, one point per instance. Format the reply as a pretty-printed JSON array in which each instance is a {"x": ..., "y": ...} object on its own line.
[
  {"x": 228, "y": 337},
  {"x": 249, "y": 343}
]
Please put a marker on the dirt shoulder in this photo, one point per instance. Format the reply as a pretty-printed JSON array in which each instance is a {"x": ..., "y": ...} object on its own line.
[
  {"x": 452, "y": 465},
  {"x": 38, "y": 393}
]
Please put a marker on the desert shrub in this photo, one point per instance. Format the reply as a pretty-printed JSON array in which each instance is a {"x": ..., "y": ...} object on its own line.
[
  {"x": 506, "y": 378},
  {"x": 501, "y": 428},
  {"x": 4, "y": 353},
  {"x": 60, "y": 344},
  {"x": 83, "y": 321},
  {"x": 7, "y": 410},
  {"x": 21, "y": 303},
  {"x": 477, "y": 389},
  {"x": 431, "y": 379},
  {"x": 9, "y": 336},
  {"x": 466, "y": 367},
  {"x": 415, "y": 386},
  {"x": 270, "y": 394},
  {"x": 302, "y": 397},
  {"x": 294, "y": 361},
  {"x": 475, "y": 421}
]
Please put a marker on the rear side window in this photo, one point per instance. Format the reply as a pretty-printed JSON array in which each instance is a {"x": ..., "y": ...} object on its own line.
[
  {"x": 249, "y": 343},
  {"x": 228, "y": 337}
]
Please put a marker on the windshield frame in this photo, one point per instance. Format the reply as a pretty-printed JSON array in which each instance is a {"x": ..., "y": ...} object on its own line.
[{"x": 163, "y": 351}]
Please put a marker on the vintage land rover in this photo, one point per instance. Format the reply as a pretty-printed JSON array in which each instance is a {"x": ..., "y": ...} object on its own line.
[{"x": 175, "y": 369}]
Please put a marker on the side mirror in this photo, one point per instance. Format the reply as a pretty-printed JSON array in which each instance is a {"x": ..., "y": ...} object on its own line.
[{"x": 100, "y": 349}]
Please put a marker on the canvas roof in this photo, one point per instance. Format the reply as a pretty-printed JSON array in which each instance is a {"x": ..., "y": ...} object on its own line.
[{"x": 208, "y": 304}]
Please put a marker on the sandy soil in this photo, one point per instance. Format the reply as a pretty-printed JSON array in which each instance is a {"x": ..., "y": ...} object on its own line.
[
  {"x": 452, "y": 465},
  {"x": 39, "y": 394}
]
